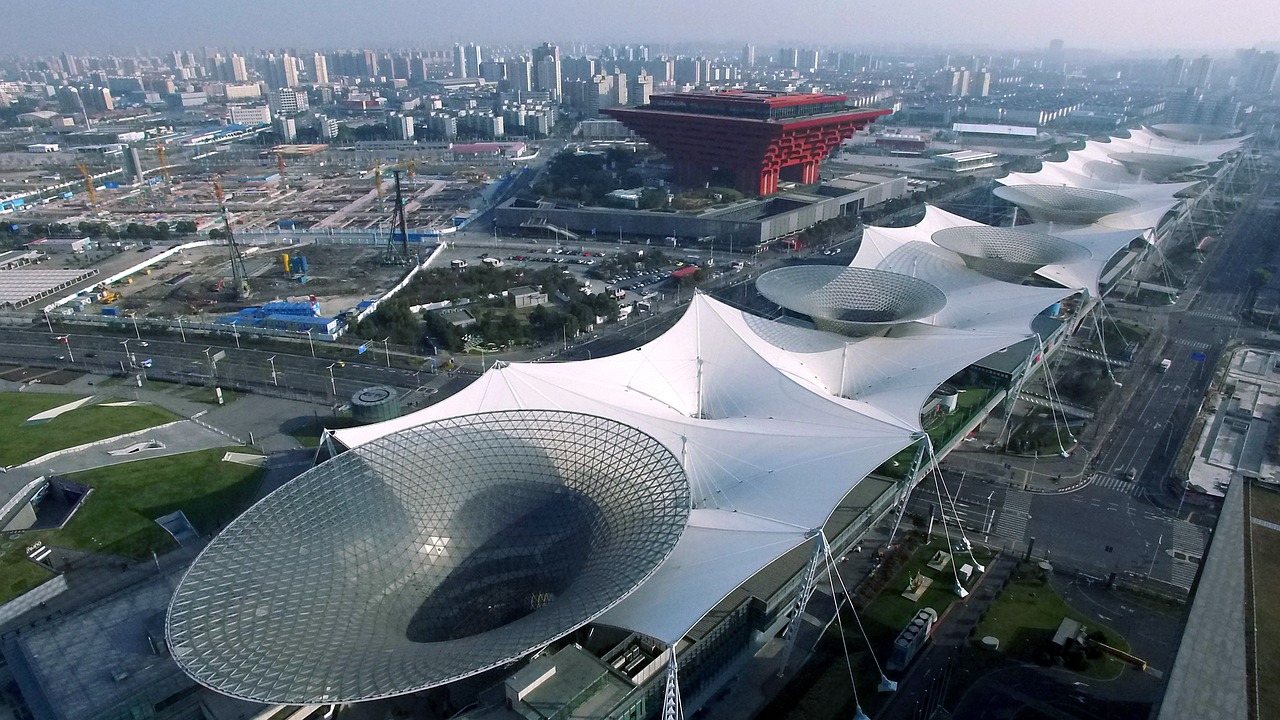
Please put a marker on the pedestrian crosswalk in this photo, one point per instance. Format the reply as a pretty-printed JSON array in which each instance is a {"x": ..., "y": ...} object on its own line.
[
  {"x": 1014, "y": 514},
  {"x": 1223, "y": 316},
  {"x": 1111, "y": 482},
  {"x": 1193, "y": 344},
  {"x": 1188, "y": 542}
]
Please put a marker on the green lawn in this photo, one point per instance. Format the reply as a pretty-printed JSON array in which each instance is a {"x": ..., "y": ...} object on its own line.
[
  {"x": 119, "y": 515},
  {"x": 17, "y": 574},
  {"x": 890, "y": 612},
  {"x": 1026, "y": 615},
  {"x": 26, "y": 442}
]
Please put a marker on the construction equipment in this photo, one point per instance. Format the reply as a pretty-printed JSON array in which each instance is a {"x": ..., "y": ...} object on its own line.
[
  {"x": 408, "y": 166},
  {"x": 397, "y": 255},
  {"x": 239, "y": 278},
  {"x": 88, "y": 185},
  {"x": 162, "y": 153},
  {"x": 280, "y": 165}
]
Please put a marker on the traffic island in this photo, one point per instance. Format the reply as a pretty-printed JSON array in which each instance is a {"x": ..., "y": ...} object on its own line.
[{"x": 1027, "y": 622}]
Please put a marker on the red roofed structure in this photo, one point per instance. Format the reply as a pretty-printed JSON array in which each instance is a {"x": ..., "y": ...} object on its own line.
[{"x": 753, "y": 137}]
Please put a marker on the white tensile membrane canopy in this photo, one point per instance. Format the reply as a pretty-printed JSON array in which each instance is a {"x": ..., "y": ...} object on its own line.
[
  {"x": 974, "y": 301},
  {"x": 750, "y": 406},
  {"x": 1102, "y": 242}
]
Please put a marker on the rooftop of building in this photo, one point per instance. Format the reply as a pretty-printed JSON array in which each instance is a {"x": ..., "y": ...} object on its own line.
[{"x": 749, "y": 104}]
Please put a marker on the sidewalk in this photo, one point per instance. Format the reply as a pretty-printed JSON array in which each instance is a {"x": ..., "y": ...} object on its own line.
[{"x": 249, "y": 416}]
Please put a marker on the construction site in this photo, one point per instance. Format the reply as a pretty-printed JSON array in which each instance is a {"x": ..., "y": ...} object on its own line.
[
  {"x": 288, "y": 187},
  {"x": 202, "y": 235}
]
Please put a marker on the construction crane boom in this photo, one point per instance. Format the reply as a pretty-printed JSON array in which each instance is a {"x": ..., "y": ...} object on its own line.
[
  {"x": 239, "y": 278},
  {"x": 88, "y": 184},
  {"x": 162, "y": 153},
  {"x": 399, "y": 227}
]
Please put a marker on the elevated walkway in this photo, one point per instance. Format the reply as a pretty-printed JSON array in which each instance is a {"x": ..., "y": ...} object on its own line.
[
  {"x": 1048, "y": 402},
  {"x": 1095, "y": 355},
  {"x": 537, "y": 223}
]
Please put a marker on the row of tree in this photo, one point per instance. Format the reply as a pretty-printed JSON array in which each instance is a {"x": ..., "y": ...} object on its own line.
[{"x": 97, "y": 230}]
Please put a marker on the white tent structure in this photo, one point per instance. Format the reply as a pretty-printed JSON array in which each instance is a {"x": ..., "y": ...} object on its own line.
[{"x": 772, "y": 423}]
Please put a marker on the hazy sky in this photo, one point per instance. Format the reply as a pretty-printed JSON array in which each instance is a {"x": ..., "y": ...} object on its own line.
[{"x": 39, "y": 26}]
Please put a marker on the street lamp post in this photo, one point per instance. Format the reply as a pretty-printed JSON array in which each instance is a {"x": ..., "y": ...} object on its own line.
[
  {"x": 386, "y": 350},
  {"x": 212, "y": 367},
  {"x": 136, "y": 332},
  {"x": 274, "y": 379},
  {"x": 236, "y": 332},
  {"x": 127, "y": 355},
  {"x": 987, "y": 531},
  {"x": 182, "y": 332},
  {"x": 311, "y": 343},
  {"x": 66, "y": 340},
  {"x": 333, "y": 384},
  {"x": 50, "y": 322}
]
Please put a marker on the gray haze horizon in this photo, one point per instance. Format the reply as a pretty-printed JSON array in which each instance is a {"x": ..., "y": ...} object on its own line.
[{"x": 121, "y": 26}]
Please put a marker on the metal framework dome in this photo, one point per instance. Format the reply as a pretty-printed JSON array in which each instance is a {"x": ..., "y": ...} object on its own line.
[
  {"x": 1065, "y": 204},
  {"x": 1008, "y": 253},
  {"x": 428, "y": 555},
  {"x": 850, "y": 300},
  {"x": 1190, "y": 132},
  {"x": 1155, "y": 166}
]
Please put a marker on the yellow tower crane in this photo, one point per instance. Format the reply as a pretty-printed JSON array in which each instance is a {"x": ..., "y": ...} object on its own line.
[
  {"x": 88, "y": 184},
  {"x": 162, "y": 153}
]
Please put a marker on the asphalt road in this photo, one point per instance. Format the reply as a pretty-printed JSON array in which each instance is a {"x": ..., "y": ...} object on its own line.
[{"x": 296, "y": 375}]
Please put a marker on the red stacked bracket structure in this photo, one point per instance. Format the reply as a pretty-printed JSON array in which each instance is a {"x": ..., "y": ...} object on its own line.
[{"x": 747, "y": 139}]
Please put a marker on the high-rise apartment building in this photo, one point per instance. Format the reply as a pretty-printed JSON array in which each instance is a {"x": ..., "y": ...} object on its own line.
[
  {"x": 319, "y": 70},
  {"x": 807, "y": 61},
  {"x": 1175, "y": 71},
  {"x": 473, "y": 61},
  {"x": 239, "y": 71},
  {"x": 401, "y": 126},
  {"x": 459, "y": 61},
  {"x": 547, "y": 71},
  {"x": 748, "y": 55},
  {"x": 327, "y": 126},
  {"x": 1198, "y": 74},
  {"x": 640, "y": 90},
  {"x": 520, "y": 74},
  {"x": 619, "y": 89},
  {"x": 286, "y": 129},
  {"x": 289, "y": 66},
  {"x": 1261, "y": 70}
]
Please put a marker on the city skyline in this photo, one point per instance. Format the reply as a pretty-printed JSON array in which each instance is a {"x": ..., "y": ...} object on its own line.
[{"x": 124, "y": 25}]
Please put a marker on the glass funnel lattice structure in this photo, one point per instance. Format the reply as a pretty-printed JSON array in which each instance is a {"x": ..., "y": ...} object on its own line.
[{"x": 428, "y": 555}]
